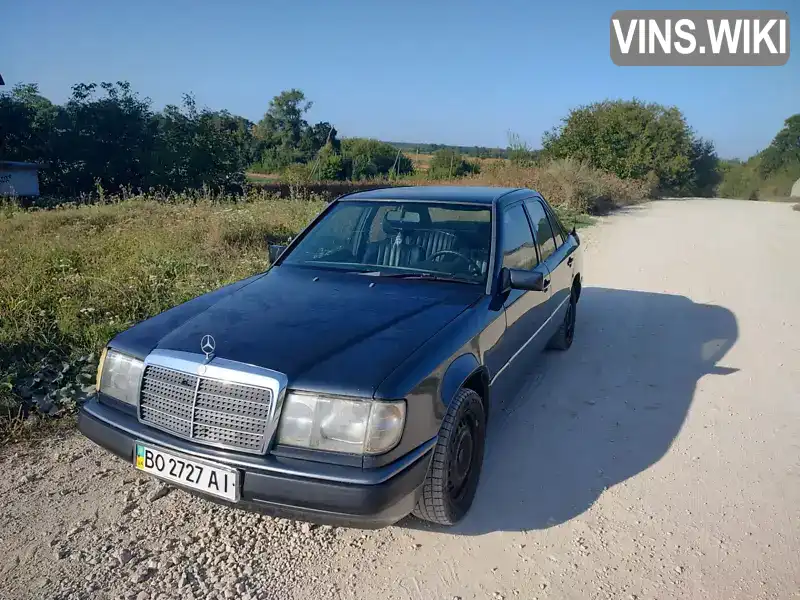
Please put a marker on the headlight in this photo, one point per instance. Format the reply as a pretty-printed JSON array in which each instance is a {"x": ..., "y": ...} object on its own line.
[
  {"x": 118, "y": 376},
  {"x": 338, "y": 425}
]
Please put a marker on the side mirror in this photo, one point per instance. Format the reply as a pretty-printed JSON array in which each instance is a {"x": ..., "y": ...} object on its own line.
[
  {"x": 520, "y": 279},
  {"x": 275, "y": 250}
]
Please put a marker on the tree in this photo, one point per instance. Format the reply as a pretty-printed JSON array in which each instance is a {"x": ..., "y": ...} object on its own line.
[
  {"x": 783, "y": 153},
  {"x": 283, "y": 123},
  {"x": 633, "y": 139},
  {"x": 27, "y": 123},
  {"x": 285, "y": 137},
  {"x": 106, "y": 136}
]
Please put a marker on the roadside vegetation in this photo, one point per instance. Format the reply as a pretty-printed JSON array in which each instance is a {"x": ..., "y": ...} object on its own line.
[
  {"x": 769, "y": 174},
  {"x": 74, "y": 276}
]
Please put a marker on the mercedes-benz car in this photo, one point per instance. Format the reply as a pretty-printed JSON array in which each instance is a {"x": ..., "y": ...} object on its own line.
[{"x": 351, "y": 383}]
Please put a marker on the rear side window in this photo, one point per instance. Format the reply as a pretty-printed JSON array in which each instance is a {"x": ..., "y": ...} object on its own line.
[
  {"x": 519, "y": 251},
  {"x": 542, "y": 228},
  {"x": 558, "y": 226}
]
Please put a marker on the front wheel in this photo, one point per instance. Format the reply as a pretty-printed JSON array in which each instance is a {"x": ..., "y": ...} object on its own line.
[{"x": 452, "y": 478}]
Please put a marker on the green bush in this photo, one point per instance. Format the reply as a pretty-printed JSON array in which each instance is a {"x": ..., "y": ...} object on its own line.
[
  {"x": 753, "y": 180},
  {"x": 448, "y": 163},
  {"x": 632, "y": 139},
  {"x": 368, "y": 159}
]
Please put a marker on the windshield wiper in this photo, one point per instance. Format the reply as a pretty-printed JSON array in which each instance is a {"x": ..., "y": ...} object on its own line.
[{"x": 428, "y": 276}]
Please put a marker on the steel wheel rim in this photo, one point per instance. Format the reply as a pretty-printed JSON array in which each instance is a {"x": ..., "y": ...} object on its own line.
[{"x": 462, "y": 458}]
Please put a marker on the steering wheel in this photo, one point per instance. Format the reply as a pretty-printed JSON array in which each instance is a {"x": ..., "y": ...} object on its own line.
[{"x": 471, "y": 264}]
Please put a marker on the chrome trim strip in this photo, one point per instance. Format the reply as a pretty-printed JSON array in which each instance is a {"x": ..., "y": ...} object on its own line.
[
  {"x": 530, "y": 339},
  {"x": 226, "y": 371},
  {"x": 194, "y": 401}
]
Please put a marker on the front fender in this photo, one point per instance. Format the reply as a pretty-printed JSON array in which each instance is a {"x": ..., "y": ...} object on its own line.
[{"x": 459, "y": 371}]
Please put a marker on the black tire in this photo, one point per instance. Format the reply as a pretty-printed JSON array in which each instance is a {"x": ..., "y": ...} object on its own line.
[
  {"x": 562, "y": 340},
  {"x": 450, "y": 485}
]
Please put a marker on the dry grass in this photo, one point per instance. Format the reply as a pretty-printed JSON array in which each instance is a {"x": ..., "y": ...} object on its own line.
[
  {"x": 422, "y": 162},
  {"x": 569, "y": 185}
]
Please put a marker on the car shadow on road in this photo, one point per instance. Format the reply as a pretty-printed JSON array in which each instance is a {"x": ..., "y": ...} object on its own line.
[{"x": 604, "y": 411}]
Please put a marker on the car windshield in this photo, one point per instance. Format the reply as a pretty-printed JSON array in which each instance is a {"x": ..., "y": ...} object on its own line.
[{"x": 400, "y": 239}]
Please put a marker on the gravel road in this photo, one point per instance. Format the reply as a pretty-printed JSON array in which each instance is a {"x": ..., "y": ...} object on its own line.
[{"x": 658, "y": 458}]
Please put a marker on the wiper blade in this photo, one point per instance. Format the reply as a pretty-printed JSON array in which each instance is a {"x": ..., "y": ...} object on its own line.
[{"x": 428, "y": 276}]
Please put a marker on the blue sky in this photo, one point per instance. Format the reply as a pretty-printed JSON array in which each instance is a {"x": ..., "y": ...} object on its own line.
[{"x": 426, "y": 71}]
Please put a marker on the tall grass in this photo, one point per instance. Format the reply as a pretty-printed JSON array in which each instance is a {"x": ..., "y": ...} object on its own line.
[{"x": 73, "y": 277}]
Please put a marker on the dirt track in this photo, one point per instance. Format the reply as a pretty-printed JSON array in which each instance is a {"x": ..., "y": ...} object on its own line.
[{"x": 658, "y": 458}]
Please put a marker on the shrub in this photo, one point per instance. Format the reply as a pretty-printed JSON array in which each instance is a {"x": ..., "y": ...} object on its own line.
[
  {"x": 632, "y": 139},
  {"x": 368, "y": 159},
  {"x": 448, "y": 163},
  {"x": 745, "y": 180},
  {"x": 567, "y": 183}
]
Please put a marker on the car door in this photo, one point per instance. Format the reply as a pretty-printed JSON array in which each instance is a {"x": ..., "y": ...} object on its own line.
[
  {"x": 556, "y": 255},
  {"x": 526, "y": 311}
]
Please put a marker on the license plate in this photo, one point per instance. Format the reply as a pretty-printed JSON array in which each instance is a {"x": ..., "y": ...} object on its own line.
[{"x": 201, "y": 476}]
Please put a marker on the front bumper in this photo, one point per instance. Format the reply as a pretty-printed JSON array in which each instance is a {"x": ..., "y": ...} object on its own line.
[{"x": 285, "y": 487}]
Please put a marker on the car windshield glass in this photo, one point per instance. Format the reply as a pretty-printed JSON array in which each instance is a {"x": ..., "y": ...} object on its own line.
[{"x": 381, "y": 238}]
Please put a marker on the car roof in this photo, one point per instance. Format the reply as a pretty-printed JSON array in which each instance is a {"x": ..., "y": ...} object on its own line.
[{"x": 443, "y": 193}]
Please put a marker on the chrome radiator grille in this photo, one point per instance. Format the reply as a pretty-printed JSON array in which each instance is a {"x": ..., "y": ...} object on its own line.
[{"x": 206, "y": 410}]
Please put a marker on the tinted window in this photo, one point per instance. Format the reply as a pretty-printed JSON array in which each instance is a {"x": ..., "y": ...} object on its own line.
[
  {"x": 439, "y": 214},
  {"x": 557, "y": 231},
  {"x": 541, "y": 226},
  {"x": 558, "y": 227},
  {"x": 518, "y": 249},
  {"x": 396, "y": 237}
]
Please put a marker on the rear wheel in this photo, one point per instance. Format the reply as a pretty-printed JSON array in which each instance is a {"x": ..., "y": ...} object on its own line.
[
  {"x": 452, "y": 478},
  {"x": 562, "y": 340}
]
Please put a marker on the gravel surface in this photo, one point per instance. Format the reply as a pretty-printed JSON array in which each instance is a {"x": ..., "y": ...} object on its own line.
[
  {"x": 658, "y": 458},
  {"x": 78, "y": 523}
]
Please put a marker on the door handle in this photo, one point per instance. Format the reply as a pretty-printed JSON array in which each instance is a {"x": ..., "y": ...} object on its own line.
[{"x": 570, "y": 260}]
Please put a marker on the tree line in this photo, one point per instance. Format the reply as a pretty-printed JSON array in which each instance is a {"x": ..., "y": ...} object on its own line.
[{"x": 106, "y": 137}]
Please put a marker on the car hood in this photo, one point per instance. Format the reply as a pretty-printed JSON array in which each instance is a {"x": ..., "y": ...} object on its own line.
[{"x": 326, "y": 331}]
